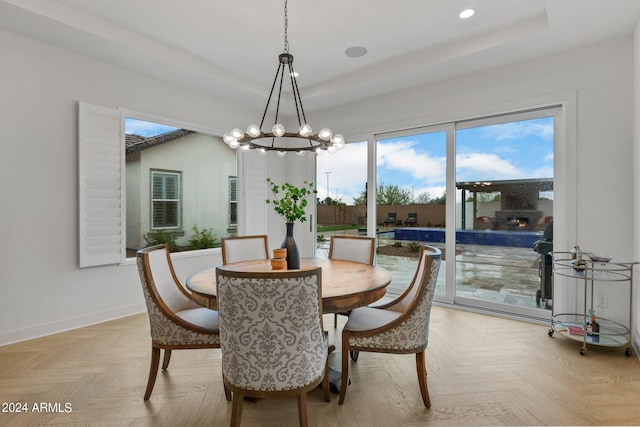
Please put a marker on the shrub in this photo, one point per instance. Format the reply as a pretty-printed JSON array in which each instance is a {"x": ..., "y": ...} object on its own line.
[
  {"x": 414, "y": 246},
  {"x": 160, "y": 237},
  {"x": 202, "y": 239},
  {"x": 397, "y": 244}
]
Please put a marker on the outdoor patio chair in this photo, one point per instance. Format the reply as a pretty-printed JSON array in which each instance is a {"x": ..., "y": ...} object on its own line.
[
  {"x": 392, "y": 218},
  {"x": 244, "y": 248},
  {"x": 400, "y": 327},
  {"x": 412, "y": 219}
]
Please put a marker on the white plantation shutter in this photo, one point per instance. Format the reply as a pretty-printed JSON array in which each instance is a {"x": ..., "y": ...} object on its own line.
[
  {"x": 101, "y": 163},
  {"x": 252, "y": 191}
]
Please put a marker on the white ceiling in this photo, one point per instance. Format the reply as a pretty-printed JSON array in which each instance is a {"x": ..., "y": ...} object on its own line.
[{"x": 230, "y": 48}]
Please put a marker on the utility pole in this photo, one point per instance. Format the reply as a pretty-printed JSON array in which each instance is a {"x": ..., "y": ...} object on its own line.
[{"x": 327, "y": 173}]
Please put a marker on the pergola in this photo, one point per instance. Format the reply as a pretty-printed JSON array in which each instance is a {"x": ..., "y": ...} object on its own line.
[{"x": 516, "y": 194}]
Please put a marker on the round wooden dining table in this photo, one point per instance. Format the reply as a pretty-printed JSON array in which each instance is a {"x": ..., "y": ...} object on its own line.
[{"x": 345, "y": 284}]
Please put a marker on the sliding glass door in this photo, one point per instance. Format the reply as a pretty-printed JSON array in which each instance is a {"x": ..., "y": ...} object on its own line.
[
  {"x": 504, "y": 203},
  {"x": 411, "y": 201},
  {"x": 498, "y": 173}
]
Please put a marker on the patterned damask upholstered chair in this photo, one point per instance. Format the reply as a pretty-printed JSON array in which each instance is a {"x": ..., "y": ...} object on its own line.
[
  {"x": 351, "y": 248},
  {"x": 401, "y": 326},
  {"x": 271, "y": 335},
  {"x": 244, "y": 248},
  {"x": 176, "y": 321}
]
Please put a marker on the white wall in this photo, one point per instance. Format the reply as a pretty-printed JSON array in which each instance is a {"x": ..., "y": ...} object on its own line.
[
  {"x": 636, "y": 182},
  {"x": 42, "y": 288}
]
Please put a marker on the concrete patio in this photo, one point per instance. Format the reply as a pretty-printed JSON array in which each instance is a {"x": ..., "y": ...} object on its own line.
[{"x": 507, "y": 275}]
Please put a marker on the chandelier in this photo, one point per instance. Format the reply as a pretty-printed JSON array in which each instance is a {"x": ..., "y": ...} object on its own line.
[{"x": 278, "y": 138}]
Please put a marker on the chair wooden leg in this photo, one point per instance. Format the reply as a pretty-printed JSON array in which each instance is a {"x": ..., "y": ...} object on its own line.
[
  {"x": 325, "y": 383},
  {"x": 422, "y": 378},
  {"x": 153, "y": 371},
  {"x": 236, "y": 411},
  {"x": 335, "y": 320},
  {"x": 344, "y": 381},
  {"x": 302, "y": 409},
  {"x": 227, "y": 393},
  {"x": 166, "y": 359}
]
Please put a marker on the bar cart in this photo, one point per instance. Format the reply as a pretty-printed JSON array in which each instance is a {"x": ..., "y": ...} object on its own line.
[{"x": 580, "y": 326}]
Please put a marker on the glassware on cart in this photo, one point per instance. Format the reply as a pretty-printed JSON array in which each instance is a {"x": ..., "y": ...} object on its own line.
[{"x": 600, "y": 259}]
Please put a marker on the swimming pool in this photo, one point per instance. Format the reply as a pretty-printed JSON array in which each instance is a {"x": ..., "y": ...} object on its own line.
[{"x": 516, "y": 239}]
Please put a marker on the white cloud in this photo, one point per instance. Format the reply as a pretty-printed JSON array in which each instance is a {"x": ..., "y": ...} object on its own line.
[
  {"x": 485, "y": 164},
  {"x": 402, "y": 156},
  {"x": 519, "y": 130},
  {"x": 348, "y": 175}
]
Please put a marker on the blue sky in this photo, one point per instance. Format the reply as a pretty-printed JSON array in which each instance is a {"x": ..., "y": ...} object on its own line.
[
  {"x": 146, "y": 129},
  {"x": 515, "y": 150}
]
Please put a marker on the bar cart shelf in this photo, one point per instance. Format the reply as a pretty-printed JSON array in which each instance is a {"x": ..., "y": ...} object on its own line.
[{"x": 573, "y": 325}]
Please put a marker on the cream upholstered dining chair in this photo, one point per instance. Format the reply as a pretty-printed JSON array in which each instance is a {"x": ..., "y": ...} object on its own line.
[
  {"x": 401, "y": 326},
  {"x": 351, "y": 248},
  {"x": 176, "y": 321},
  {"x": 271, "y": 335},
  {"x": 244, "y": 248}
]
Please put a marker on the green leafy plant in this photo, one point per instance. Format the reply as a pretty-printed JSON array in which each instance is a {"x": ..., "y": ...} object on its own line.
[
  {"x": 161, "y": 237},
  {"x": 414, "y": 246},
  {"x": 202, "y": 239},
  {"x": 289, "y": 201},
  {"x": 397, "y": 244}
]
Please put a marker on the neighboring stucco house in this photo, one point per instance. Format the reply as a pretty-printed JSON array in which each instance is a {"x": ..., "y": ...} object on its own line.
[{"x": 172, "y": 186}]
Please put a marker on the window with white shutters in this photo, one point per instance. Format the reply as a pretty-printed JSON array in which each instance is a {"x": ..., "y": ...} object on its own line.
[
  {"x": 233, "y": 201},
  {"x": 166, "y": 201}
]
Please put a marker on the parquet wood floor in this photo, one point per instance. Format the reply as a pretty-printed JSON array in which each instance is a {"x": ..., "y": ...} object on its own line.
[{"x": 482, "y": 371}]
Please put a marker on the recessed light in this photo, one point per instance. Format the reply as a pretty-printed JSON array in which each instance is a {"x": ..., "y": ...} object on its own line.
[
  {"x": 467, "y": 13},
  {"x": 355, "y": 51}
]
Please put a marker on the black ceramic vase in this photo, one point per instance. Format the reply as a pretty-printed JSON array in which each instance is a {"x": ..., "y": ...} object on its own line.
[{"x": 293, "y": 257}]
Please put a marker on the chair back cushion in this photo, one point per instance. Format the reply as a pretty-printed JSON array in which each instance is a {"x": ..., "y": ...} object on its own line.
[
  {"x": 409, "y": 332},
  {"x": 174, "y": 319},
  {"x": 352, "y": 248},
  {"x": 403, "y": 302},
  {"x": 163, "y": 279},
  {"x": 244, "y": 248},
  {"x": 271, "y": 328}
]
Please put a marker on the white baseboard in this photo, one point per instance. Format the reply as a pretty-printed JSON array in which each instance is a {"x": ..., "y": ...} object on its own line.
[{"x": 32, "y": 332}]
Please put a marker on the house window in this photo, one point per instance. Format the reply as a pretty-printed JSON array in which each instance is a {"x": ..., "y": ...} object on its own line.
[
  {"x": 165, "y": 200},
  {"x": 146, "y": 180},
  {"x": 233, "y": 202}
]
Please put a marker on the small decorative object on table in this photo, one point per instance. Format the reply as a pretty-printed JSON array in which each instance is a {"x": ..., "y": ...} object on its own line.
[
  {"x": 278, "y": 263},
  {"x": 290, "y": 206},
  {"x": 279, "y": 260}
]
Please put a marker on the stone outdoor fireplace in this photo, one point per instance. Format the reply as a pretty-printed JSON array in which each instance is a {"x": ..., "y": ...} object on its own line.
[{"x": 518, "y": 201}]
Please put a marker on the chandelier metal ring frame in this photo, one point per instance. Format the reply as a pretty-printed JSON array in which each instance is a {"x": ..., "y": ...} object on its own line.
[{"x": 256, "y": 138}]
